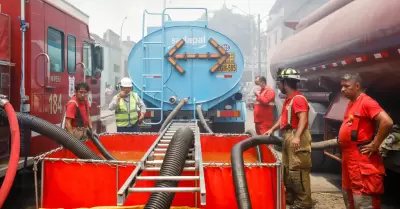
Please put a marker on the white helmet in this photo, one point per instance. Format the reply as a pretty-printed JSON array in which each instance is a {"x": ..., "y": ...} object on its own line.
[{"x": 126, "y": 82}]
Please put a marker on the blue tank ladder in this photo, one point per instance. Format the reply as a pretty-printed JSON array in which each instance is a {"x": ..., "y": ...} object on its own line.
[{"x": 146, "y": 71}]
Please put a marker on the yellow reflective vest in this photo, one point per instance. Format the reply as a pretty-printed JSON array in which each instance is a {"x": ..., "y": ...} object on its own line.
[{"x": 123, "y": 117}]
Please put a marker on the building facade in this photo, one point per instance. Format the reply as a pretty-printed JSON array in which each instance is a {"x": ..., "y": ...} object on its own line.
[{"x": 116, "y": 55}]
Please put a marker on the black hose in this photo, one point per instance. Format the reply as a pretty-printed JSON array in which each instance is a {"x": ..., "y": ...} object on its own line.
[
  {"x": 331, "y": 143},
  {"x": 202, "y": 120},
  {"x": 173, "y": 113},
  {"x": 251, "y": 132},
  {"x": 95, "y": 138},
  {"x": 59, "y": 135},
  {"x": 173, "y": 165},
  {"x": 239, "y": 176}
]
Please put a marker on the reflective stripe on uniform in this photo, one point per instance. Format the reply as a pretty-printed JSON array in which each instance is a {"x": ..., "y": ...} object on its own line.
[
  {"x": 271, "y": 103},
  {"x": 289, "y": 108},
  {"x": 78, "y": 115},
  {"x": 262, "y": 94}
]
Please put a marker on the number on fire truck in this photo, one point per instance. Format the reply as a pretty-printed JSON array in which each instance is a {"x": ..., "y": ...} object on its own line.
[{"x": 55, "y": 103}]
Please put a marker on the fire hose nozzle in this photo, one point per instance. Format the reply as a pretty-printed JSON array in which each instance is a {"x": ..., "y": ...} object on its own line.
[{"x": 3, "y": 100}]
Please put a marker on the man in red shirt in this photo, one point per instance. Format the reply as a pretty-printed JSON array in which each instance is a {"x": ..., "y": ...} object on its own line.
[
  {"x": 264, "y": 106},
  {"x": 77, "y": 117},
  {"x": 362, "y": 166},
  {"x": 296, "y": 148}
]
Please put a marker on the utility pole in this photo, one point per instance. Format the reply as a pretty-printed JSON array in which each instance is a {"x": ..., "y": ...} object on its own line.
[
  {"x": 122, "y": 67},
  {"x": 120, "y": 32},
  {"x": 259, "y": 45}
]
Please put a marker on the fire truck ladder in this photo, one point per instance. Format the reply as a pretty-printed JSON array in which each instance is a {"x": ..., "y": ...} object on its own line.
[
  {"x": 146, "y": 66},
  {"x": 194, "y": 163}
]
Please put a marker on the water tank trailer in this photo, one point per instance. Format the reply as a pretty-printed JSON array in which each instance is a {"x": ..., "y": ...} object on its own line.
[{"x": 186, "y": 59}]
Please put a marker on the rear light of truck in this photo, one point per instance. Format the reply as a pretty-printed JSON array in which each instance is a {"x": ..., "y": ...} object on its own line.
[
  {"x": 149, "y": 114},
  {"x": 228, "y": 113}
]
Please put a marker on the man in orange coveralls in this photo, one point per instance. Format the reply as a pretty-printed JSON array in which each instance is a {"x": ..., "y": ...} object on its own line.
[
  {"x": 264, "y": 106},
  {"x": 362, "y": 167}
]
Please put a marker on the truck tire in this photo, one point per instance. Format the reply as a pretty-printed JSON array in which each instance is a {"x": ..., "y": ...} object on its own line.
[
  {"x": 228, "y": 127},
  {"x": 329, "y": 165},
  {"x": 317, "y": 157}
]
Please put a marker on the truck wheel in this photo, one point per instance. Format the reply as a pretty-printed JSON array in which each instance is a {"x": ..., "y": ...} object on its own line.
[
  {"x": 327, "y": 166},
  {"x": 331, "y": 165},
  {"x": 317, "y": 157}
]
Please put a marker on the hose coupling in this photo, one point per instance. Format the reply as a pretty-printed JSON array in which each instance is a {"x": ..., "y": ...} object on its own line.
[
  {"x": 3, "y": 100},
  {"x": 172, "y": 99}
]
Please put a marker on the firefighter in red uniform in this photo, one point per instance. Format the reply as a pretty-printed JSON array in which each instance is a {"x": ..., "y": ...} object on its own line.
[
  {"x": 296, "y": 149},
  {"x": 362, "y": 166},
  {"x": 77, "y": 117},
  {"x": 264, "y": 106}
]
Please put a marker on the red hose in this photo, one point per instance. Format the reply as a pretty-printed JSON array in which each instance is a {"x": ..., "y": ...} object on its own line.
[{"x": 14, "y": 156}]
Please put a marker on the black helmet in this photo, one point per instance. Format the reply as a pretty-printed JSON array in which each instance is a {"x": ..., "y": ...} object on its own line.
[{"x": 288, "y": 73}]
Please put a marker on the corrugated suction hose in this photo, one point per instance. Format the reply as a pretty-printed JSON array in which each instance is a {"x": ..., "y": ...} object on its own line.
[
  {"x": 58, "y": 135},
  {"x": 173, "y": 165},
  {"x": 202, "y": 120},
  {"x": 173, "y": 113},
  {"x": 95, "y": 139},
  {"x": 252, "y": 132},
  {"x": 239, "y": 175}
]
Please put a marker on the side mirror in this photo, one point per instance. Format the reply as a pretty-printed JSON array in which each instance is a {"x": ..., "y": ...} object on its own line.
[
  {"x": 99, "y": 57},
  {"x": 97, "y": 74}
]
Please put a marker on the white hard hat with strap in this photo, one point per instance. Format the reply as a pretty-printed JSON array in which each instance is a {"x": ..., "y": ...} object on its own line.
[{"x": 126, "y": 82}]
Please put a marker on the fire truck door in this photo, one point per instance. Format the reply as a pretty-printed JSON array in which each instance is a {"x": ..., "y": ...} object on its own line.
[
  {"x": 56, "y": 90},
  {"x": 39, "y": 62}
]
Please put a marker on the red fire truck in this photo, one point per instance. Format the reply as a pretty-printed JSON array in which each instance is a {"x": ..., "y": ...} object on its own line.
[{"x": 45, "y": 48}]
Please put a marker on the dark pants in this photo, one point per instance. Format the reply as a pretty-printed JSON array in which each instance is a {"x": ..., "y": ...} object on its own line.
[{"x": 134, "y": 128}]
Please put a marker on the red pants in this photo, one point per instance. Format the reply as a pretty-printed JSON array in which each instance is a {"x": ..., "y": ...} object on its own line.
[
  {"x": 262, "y": 127},
  {"x": 362, "y": 179}
]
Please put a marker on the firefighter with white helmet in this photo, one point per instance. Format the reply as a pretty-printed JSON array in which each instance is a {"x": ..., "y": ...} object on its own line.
[
  {"x": 126, "y": 105},
  {"x": 296, "y": 151}
]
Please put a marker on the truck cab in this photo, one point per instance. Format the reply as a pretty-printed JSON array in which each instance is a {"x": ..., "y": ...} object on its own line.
[{"x": 48, "y": 50}]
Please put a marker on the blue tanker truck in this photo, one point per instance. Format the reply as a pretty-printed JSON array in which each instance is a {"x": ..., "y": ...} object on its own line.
[{"x": 184, "y": 70}]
